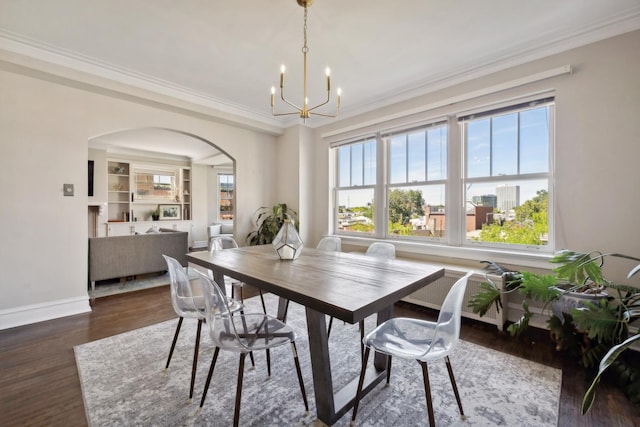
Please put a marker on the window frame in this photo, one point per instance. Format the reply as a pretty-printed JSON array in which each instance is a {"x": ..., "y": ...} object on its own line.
[
  {"x": 454, "y": 182},
  {"x": 219, "y": 197},
  {"x": 338, "y": 188},
  {"x": 387, "y": 139},
  {"x": 519, "y": 177}
]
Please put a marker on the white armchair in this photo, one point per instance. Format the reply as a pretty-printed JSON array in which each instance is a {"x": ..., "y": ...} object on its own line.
[{"x": 218, "y": 229}]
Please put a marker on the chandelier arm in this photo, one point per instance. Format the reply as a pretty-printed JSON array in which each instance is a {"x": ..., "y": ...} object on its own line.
[
  {"x": 324, "y": 115},
  {"x": 324, "y": 103},
  {"x": 285, "y": 114},
  {"x": 287, "y": 101}
]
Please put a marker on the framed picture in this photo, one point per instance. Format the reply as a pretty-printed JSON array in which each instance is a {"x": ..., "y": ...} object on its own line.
[{"x": 169, "y": 212}]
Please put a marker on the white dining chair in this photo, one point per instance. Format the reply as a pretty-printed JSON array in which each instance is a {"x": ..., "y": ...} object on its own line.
[
  {"x": 420, "y": 340},
  {"x": 330, "y": 244},
  {"x": 243, "y": 334},
  {"x": 187, "y": 301},
  {"x": 227, "y": 242},
  {"x": 382, "y": 250}
]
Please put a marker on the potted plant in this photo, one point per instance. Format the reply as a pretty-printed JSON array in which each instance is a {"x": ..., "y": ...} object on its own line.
[
  {"x": 269, "y": 221},
  {"x": 594, "y": 328},
  {"x": 155, "y": 213}
]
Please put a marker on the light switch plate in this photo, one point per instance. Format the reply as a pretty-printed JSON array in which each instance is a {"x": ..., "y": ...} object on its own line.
[{"x": 67, "y": 189}]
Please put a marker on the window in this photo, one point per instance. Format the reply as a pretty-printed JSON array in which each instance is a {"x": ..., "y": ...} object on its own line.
[
  {"x": 396, "y": 185},
  {"x": 357, "y": 166},
  {"x": 507, "y": 174},
  {"x": 225, "y": 190},
  {"x": 156, "y": 185},
  {"x": 417, "y": 178}
]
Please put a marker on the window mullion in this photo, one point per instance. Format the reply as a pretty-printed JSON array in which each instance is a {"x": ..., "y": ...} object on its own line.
[
  {"x": 382, "y": 186},
  {"x": 518, "y": 146},
  {"x": 426, "y": 155}
]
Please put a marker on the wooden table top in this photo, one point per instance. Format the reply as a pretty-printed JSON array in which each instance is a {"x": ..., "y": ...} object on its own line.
[{"x": 347, "y": 286}]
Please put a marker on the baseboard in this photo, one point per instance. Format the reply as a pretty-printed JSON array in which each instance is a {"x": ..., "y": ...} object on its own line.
[{"x": 34, "y": 313}]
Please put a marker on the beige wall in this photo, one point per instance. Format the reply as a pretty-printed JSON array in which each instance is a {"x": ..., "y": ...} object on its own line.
[
  {"x": 45, "y": 123},
  {"x": 597, "y": 145}
]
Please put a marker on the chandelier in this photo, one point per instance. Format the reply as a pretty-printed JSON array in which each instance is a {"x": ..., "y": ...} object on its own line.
[{"x": 305, "y": 111}]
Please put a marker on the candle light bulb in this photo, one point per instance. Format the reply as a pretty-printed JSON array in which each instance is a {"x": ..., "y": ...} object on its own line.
[
  {"x": 273, "y": 90},
  {"x": 327, "y": 71},
  {"x": 283, "y": 68}
]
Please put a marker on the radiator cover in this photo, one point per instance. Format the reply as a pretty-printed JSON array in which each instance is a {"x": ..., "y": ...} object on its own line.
[{"x": 433, "y": 295}]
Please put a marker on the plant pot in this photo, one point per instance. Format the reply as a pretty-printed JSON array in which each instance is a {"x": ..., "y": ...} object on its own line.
[{"x": 569, "y": 300}]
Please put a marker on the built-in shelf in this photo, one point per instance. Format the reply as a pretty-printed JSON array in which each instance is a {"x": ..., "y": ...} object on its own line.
[{"x": 126, "y": 185}]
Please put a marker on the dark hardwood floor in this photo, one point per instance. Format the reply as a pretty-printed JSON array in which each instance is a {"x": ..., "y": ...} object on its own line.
[{"x": 39, "y": 383}]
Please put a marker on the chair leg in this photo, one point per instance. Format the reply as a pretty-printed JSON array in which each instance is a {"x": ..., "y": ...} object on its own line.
[
  {"x": 363, "y": 370},
  {"x": 299, "y": 372},
  {"x": 427, "y": 392},
  {"x": 361, "y": 324},
  {"x": 211, "y": 368},
  {"x": 455, "y": 387},
  {"x": 286, "y": 309},
  {"x": 388, "y": 369},
  {"x": 173, "y": 344},
  {"x": 264, "y": 307},
  {"x": 244, "y": 324},
  {"x": 268, "y": 363},
  {"x": 236, "y": 413},
  {"x": 329, "y": 328},
  {"x": 195, "y": 359}
]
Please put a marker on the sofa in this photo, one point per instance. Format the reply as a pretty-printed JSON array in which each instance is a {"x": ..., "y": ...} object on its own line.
[
  {"x": 218, "y": 229},
  {"x": 124, "y": 256}
]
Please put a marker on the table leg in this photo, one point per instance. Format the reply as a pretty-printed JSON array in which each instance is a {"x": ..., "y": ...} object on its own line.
[
  {"x": 320, "y": 366},
  {"x": 331, "y": 407},
  {"x": 218, "y": 277}
]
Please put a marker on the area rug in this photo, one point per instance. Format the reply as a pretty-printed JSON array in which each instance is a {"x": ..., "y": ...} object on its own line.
[
  {"x": 112, "y": 287},
  {"x": 124, "y": 383}
]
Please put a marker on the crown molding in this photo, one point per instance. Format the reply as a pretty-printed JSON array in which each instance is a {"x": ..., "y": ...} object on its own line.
[
  {"x": 67, "y": 64},
  {"x": 106, "y": 74},
  {"x": 541, "y": 47}
]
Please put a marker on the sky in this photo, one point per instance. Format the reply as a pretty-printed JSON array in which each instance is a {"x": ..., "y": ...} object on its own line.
[{"x": 495, "y": 148}]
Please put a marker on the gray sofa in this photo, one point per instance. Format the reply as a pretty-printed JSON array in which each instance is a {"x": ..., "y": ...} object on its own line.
[{"x": 123, "y": 256}]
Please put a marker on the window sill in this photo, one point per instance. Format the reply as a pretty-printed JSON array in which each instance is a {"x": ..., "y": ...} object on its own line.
[{"x": 468, "y": 256}]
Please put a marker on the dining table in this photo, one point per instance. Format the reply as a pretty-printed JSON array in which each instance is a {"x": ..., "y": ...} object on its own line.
[{"x": 346, "y": 286}]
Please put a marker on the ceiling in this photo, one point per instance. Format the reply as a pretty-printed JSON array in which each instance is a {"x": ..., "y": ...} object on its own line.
[{"x": 226, "y": 55}]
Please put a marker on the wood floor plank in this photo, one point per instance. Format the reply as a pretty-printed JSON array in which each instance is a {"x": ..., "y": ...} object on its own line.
[{"x": 39, "y": 384}]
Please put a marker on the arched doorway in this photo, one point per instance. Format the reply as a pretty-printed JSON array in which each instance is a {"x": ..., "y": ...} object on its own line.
[{"x": 119, "y": 206}]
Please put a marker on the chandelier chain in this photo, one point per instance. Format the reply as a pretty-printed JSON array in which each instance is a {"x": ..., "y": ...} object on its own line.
[{"x": 305, "y": 49}]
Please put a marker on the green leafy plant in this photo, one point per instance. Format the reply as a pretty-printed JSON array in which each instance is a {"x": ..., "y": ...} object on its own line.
[
  {"x": 597, "y": 333},
  {"x": 155, "y": 213},
  {"x": 268, "y": 222}
]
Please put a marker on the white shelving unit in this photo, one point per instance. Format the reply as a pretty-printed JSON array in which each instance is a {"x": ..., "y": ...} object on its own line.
[
  {"x": 118, "y": 180},
  {"x": 128, "y": 213}
]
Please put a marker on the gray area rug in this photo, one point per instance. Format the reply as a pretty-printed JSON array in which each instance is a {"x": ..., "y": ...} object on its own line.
[
  {"x": 113, "y": 287},
  {"x": 124, "y": 383}
]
